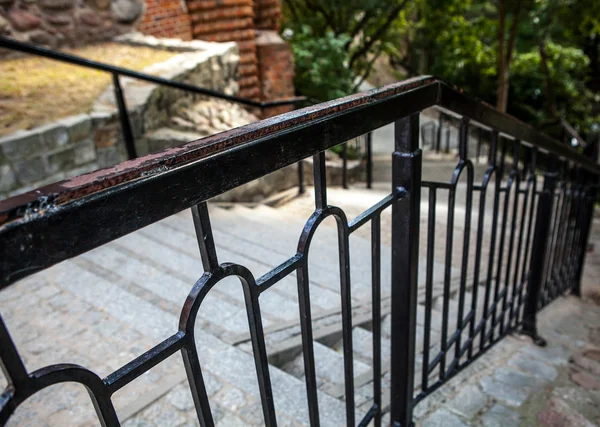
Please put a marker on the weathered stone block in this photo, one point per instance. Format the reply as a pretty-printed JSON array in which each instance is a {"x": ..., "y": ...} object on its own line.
[
  {"x": 78, "y": 127},
  {"x": 499, "y": 416},
  {"x": 126, "y": 11},
  {"x": 61, "y": 160},
  {"x": 54, "y": 135},
  {"x": 108, "y": 156},
  {"x": 57, "y": 4},
  {"x": 469, "y": 401},
  {"x": 85, "y": 152},
  {"x": 23, "y": 20},
  {"x": 504, "y": 392},
  {"x": 22, "y": 144},
  {"x": 30, "y": 170},
  {"x": 7, "y": 178},
  {"x": 443, "y": 418}
]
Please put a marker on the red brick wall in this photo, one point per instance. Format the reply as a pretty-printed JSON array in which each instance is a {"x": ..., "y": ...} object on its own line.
[
  {"x": 275, "y": 70},
  {"x": 166, "y": 18},
  {"x": 229, "y": 20},
  {"x": 267, "y": 14},
  {"x": 266, "y": 66}
]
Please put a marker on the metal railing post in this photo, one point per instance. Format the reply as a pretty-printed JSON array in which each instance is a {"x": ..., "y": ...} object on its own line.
[
  {"x": 345, "y": 165},
  {"x": 406, "y": 182},
  {"x": 124, "y": 118},
  {"x": 538, "y": 257},
  {"x": 301, "y": 188},
  {"x": 438, "y": 143},
  {"x": 369, "y": 159},
  {"x": 588, "y": 215}
]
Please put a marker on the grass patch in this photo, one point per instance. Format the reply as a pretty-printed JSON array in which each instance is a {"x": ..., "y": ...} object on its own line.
[{"x": 35, "y": 90}]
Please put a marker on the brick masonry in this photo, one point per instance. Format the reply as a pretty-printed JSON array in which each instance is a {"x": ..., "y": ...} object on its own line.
[
  {"x": 266, "y": 64},
  {"x": 166, "y": 18}
]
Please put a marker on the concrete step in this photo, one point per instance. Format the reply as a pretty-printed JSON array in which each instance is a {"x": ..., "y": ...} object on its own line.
[
  {"x": 362, "y": 346},
  {"x": 329, "y": 365},
  {"x": 227, "y": 366},
  {"x": 360, "y": 249}
]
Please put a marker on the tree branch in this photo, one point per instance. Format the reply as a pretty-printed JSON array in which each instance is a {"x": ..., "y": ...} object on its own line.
[
  {"x": 368, "y": 69},
  {"x": 512, "y": 38},
  {"x": 359, "y": 26},
  {"x": 378, "y": 34}
]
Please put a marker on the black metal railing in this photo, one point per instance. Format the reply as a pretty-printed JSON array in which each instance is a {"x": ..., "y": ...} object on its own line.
[{"x": 529, "y": 243}]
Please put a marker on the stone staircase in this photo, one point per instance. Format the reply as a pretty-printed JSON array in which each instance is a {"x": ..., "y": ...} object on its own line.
[{"x": 140, "y": 281}]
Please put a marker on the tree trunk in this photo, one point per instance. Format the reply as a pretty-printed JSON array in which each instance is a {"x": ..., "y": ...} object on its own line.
[
  {"x": 502, "y": 94},
  {"x": 550, "y": 102}
]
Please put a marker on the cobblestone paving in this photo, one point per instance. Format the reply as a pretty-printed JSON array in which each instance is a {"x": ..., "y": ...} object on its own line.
[{"x": 518, "y": 383}]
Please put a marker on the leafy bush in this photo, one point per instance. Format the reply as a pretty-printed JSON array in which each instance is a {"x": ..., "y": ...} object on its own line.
[{"x": 320, "y": 64}]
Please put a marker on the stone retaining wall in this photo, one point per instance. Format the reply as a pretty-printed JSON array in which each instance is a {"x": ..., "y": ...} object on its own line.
[
  {"x": 78, "y": 144},
  {"x": 57, "y": 23}
]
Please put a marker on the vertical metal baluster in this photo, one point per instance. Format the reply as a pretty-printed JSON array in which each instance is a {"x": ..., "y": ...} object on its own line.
[
  {"x": 501, "y": 246},
  {"x": 438, "y": 145},
  {"x": 463, "y": 141},
  {"x": 538, "y": 254},
  {"x": 369, "y": 159},
  {"x": 191, "y": 359},
  {"x": 376, "y": 309},
  {"x": 191, "y": 362},
  {"x": 592, "y": 182},
  {"x": 406, "y": 175},
  {"x": 511, "y": 240},
  {"x": 478, "y": 249},
  {"x": 345, "y": 292},
  {"x": 429, "y": 286},
  {"x": 531, "y": 191},
  {"x": 259, "y": 351},
  {"x": 479, "y": 138},
  {"x": 11, "y": 362},
  {"x": 206, "y": 243},
  {"x": 124, "y": 118},
  {"x": 345, "y": 165},
  {"x": 560, "y": 241},
  {"x": 320, "y": 178},
  {"x": 301, "y": 187},
  {"x": 557, "y": 227},
  {"x": 308, "y": 353},
  {"x": 571, "y": 236},
  {"x": 447, "y": 280},
  {"x": 490, "y": 273}
]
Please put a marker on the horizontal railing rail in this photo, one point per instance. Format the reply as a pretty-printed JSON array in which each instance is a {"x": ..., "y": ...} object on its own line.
[
  {"x": 276, "y": 142},
  {"x": 526, "y": 253}
]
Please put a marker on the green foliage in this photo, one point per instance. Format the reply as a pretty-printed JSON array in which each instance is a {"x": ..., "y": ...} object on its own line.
[
  {"x": 335, "y": 43},
  {"x": 458, "y": 41},
  {"x": 567, "y": 68},
  {"x": 320, "y": 62},
  {"x": 344, "y": 37}
]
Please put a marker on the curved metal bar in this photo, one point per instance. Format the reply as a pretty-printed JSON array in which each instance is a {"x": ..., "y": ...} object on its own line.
[
  {"x": 489, "y": 173},
  {"x": 61, "y": 373},
  {"x": 305, "y": 316},
  {"x": 504, "y": 322},
  {"x": 190, "y": 353},
  {"x": 462, "y": 164},
  {"x": 497, "y": 294},
  {"x": 529, "y": 193}
]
